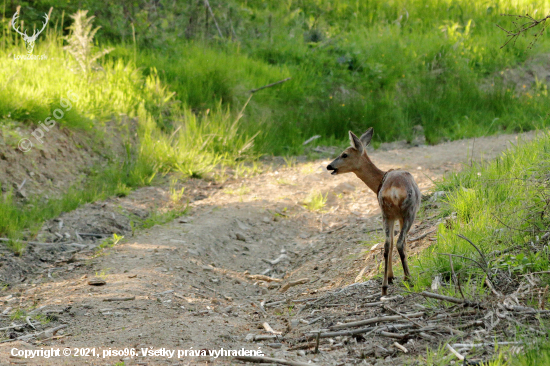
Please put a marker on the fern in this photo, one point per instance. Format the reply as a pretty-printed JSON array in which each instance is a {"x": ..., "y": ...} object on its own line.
[{"x": 80, "y": 41}]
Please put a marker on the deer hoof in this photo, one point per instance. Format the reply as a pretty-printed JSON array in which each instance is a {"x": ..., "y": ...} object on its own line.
[
  {"x": 384, "y": 290},
  {"x": 390, "y": 280}
]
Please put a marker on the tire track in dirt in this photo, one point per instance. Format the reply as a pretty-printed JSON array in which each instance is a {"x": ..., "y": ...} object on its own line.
[{"x": 190, "y": 277}]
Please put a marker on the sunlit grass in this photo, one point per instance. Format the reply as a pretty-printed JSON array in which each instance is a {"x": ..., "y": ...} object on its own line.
[
  {"x": 315, "y": 201},
  {"x": 498, "y": 205}
]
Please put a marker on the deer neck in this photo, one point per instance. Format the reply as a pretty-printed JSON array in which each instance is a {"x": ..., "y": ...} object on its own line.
[{"x": 369, "y": 173}]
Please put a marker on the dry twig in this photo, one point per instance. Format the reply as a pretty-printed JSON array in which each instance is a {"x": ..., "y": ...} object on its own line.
[
  {"x": 523, "y": 28},
  {"x": 379, "y": 319}
]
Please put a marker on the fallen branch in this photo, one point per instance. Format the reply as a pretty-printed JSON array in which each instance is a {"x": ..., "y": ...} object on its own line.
[
  {"x": 392, "y": 335},
  {"x": 268, "y": 328},
  {"x": 263, "y": 278},
  {"x": 94, "y": 235},
  {"x": 293, "y": 283},
  {"x": 451, "y": 299},
  {"x": 48, "y": 333},
  {"x": 277, "y": 260},
  {"x": 403, "y": 316},
  {"x": 472, "y": 345},
  {"x": 421, "y": 236},
  {"x": 275, "y": 303},
  {"x": 28, "y": 320},
  {"x": 458, "y": 355},
  {"x": 13, "y": 326},
  {"x": 454, "y": 331},
  {"x": 379, "y": 319},
  {"x": 360, "y": 331},
  {"x": 526, "y": 309},
  {"x": 427, "y": 336},
  {"x": 397, "y": 345},
  {"x": 454, "y": 315},
  {"x": 340, "y": 228},
  {"x": 120, "y": 298},
  {"x": 471, "y": 324},
  {"x": 46, "y": 244},
  {"x": 303, "y": 346},
  {"x": 260, "y": 359}
]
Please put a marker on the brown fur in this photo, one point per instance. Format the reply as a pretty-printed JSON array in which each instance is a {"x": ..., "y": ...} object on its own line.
[{"x": 399, "y": 197}]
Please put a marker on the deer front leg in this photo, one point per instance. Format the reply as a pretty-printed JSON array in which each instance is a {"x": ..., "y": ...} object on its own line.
[{"x": 388, "y": 228}]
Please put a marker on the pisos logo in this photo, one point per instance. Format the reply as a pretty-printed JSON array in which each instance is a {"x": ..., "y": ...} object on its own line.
[{"x": 29, "y": 40}]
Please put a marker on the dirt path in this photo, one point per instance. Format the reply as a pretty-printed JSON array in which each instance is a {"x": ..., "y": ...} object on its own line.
[{"x": 189, "y": 280}]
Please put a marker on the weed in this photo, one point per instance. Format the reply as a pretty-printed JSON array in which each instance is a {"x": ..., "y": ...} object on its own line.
[
  {"x": 111, "y": 242},
  {"x": 290, "y": 161},
  {"x": 160, "y": 218},
  {"x": 315, "y": 201},
  {"x": 241, "y": 191},
  {"x": 102, "y": 274},
  {"x": 16, "y": 246},
  {"x": 498, "y": 205},
  {"x": 284, "y": 182},
  {"x": 80, "y": 41},
  {"x": 175, "y": 195},
  {"x": 18, "y": 314}
]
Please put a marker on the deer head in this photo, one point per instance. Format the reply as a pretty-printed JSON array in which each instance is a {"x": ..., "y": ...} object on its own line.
[
  {"x": 29, "y": 40},
  {"x": 350, "y": 159}
]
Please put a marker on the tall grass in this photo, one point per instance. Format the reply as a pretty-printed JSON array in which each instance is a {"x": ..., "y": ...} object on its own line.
[
  {"x": 170, "y": 136},
  {"x": 354, "y": 64},
  {"x": 498, "y": 205}
]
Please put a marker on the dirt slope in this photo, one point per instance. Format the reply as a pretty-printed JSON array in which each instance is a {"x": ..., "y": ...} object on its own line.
[{"x": 189, "y": 280}]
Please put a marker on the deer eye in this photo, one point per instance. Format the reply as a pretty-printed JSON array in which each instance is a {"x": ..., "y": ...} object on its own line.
[{"x": 344, "y": 156}]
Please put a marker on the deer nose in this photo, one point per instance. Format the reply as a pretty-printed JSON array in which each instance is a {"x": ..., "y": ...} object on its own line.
[{"x": 329, "y": 167}]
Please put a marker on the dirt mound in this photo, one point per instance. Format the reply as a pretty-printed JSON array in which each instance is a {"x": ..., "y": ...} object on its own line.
[{"x": 64, "y": 157}]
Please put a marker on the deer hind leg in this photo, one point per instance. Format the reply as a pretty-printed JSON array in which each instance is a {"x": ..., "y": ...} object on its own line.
[
  {"x": 406, "y": 224},
  {"x": 390, "y": 257},
  {"x": 388, "y": 228}
]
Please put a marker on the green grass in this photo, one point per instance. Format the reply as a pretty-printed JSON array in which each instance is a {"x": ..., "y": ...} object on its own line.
[
  {"x": 30, "y": 91},
  {"x": 498, "y": 205},
  {"x": 315, "y": 201},
  {"x": 354, "y": 64},
  {"x": 17, "y": 221},
  {"x": 535, "y": 355}
]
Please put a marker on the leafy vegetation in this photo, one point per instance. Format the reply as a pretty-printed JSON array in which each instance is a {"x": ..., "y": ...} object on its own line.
[
  {"x": 497, "y": 217},
  {"x": 315, "y": 201},
  {"x": 179, "y": 88},
  {"x": 391, "y": 65},
  {"x": 496, "y": 206}
]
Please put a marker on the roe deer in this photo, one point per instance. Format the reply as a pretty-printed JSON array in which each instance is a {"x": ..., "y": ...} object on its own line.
[{"x": 398, "y": 196}]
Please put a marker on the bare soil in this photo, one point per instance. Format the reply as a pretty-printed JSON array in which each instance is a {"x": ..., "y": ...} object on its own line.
[{"x": 191, "y": 282}]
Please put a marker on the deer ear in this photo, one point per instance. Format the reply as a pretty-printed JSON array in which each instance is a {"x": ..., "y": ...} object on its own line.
[
  {"x": 367, "y": 136},
  {"x": 355, "y": 142}
]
